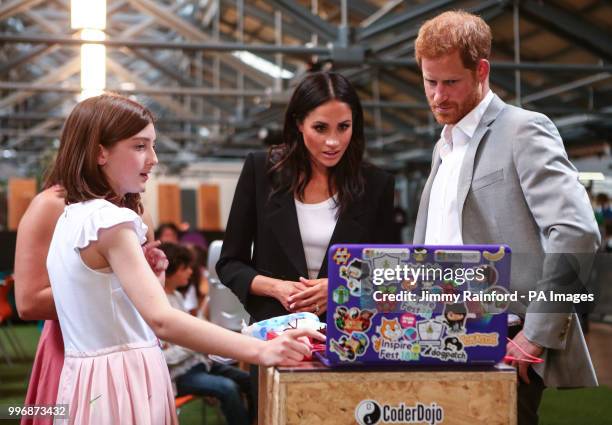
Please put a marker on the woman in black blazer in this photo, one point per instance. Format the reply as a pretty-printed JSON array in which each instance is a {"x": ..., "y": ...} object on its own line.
[{"x": 319, "y": 166}]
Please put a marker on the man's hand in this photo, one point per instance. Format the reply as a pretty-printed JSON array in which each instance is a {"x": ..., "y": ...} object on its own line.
[
  {"x": 312, "y": 299},
  {"x": 523, "y": 363}
]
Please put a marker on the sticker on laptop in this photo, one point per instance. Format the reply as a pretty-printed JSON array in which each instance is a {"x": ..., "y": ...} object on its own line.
[
  {"x": 456, "y": 256},
  {"x": 341, "y": 295},
  {"x": 341, "y": 256},
  {"x": 480, "y": 339},
  {"x": 349, "y": 348},
  {"x": 494, "y": 256},
  {"x": 455, "y": 316},
  {"x": 451, "y": 349},
  {"x": 384, "y": 303},
  {"x": 353, "y": 274},
  {"x": 392, "y": 344},
  {"x": 401, "y": 254},
  {"x": 420, "y": 254},
  {"x": 354, "y": 319}
]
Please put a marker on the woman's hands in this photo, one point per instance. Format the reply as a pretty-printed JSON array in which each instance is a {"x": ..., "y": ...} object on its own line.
[
  {"x": 311, "y": 299},
  {"x": 285, "y": 290},
  {"x": 306, "y": 295},
  {"x": 288, "y": 349}
]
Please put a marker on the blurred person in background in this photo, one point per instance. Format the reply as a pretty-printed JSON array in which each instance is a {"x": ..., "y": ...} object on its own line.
[
  {"x": 196, "y": 373},
  {"x": 167, "y": 232}
]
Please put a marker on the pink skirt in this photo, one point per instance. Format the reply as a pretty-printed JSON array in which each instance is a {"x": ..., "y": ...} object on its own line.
[
  {"x": 119, "y": 385},
  {"x": 46, "y": 371}
]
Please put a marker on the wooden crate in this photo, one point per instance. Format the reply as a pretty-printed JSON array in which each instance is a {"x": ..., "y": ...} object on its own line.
[{"x": 313, "y": 394}]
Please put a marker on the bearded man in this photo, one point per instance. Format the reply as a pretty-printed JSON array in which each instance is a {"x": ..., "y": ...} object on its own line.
[{"x": 500, "y": 175}]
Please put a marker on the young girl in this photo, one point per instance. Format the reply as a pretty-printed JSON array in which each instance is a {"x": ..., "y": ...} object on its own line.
[
  {"x": 33, "y": 291},
  {"x": 110, "y": 304}
]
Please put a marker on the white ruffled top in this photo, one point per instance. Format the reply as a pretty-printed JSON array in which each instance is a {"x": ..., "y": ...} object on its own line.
[{"x": 95, "y": 314}]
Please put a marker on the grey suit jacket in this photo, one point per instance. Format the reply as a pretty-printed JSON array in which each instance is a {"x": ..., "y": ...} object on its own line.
[{"x": 517, "y": 186}]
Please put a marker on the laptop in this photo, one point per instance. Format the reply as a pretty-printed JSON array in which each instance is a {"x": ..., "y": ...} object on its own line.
[{"x": 417, "y": 305}]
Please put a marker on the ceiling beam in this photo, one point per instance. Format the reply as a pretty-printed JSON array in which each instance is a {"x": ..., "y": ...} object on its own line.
[
  {"x": 569, "y": 25},
  {"x": 402, "y": 18},
  {"x": 40, "y": 129},
  {"x": 138, "y": 89},
  {"x": 211, "y": 46},
  {"x": 306, "y": 18},
  {"x": 15, "y": 7},
  {"x": 60, "y": 74},
  {"x": 191, "y": 32}
]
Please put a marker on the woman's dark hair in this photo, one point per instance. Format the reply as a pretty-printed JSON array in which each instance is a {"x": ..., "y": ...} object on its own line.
[
  {"x": 290, "y": 167},
  {"x": 98, "y": 121},
  {"x": 178, "y": 255}
]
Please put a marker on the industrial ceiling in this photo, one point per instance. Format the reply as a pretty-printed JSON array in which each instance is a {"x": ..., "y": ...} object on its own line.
[{"x": 187, "y": 61}]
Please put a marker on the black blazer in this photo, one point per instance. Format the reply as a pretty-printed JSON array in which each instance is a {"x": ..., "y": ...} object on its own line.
[{"x": 271, "y": 225}]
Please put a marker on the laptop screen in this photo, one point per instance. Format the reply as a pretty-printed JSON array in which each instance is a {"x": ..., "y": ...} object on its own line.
[{"x": 417, "y": 305}]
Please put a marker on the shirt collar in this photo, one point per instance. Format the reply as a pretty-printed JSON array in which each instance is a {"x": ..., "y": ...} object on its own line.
[{"x": 462, "y": 132}]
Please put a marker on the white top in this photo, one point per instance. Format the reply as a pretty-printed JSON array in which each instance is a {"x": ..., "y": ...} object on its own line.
[
  {"x": 95, "y": 315},
  {"x": 190, "y": 299},
  {"x": 443, "y": 212},
  {"x": 317, "y": 223},
  {"x": 180, "y": 359}
]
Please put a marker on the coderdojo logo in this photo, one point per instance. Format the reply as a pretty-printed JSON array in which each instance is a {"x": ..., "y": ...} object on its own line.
[
  {"x": 370, "y": 412},
  {"x": 367, "y": 413}
]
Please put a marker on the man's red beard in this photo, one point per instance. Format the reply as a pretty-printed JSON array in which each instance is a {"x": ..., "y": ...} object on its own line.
[{"x": 457, "y": 111}]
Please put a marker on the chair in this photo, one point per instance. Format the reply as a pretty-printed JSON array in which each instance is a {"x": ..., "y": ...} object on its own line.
[
  {"x": 224, "y": 307},
  {"x": 180, "y": 401},
  {"x": 6, "y": 312}
]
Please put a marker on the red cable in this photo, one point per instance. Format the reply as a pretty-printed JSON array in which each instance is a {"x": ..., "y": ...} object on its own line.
[{"x": 529, "y": 358}]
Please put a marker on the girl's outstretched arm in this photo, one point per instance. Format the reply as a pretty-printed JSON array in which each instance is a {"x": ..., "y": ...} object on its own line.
[{"x": 119, "y": 245}]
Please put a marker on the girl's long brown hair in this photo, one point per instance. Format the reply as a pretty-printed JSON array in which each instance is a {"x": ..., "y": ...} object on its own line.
[{"x": 98, "y": 121}]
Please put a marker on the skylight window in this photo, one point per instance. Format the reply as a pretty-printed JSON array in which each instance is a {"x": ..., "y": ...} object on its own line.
[{"x": 263, "y": 65}]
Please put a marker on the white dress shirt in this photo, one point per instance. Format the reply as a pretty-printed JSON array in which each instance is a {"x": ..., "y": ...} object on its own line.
[{"x": 443, "y": 211}]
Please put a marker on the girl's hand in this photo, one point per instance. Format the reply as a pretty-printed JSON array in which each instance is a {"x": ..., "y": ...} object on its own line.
[
  {"x": 155, "y": 257},
  {"x": 288, "y": 349},
  {"x": 313, "y": 299}
]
